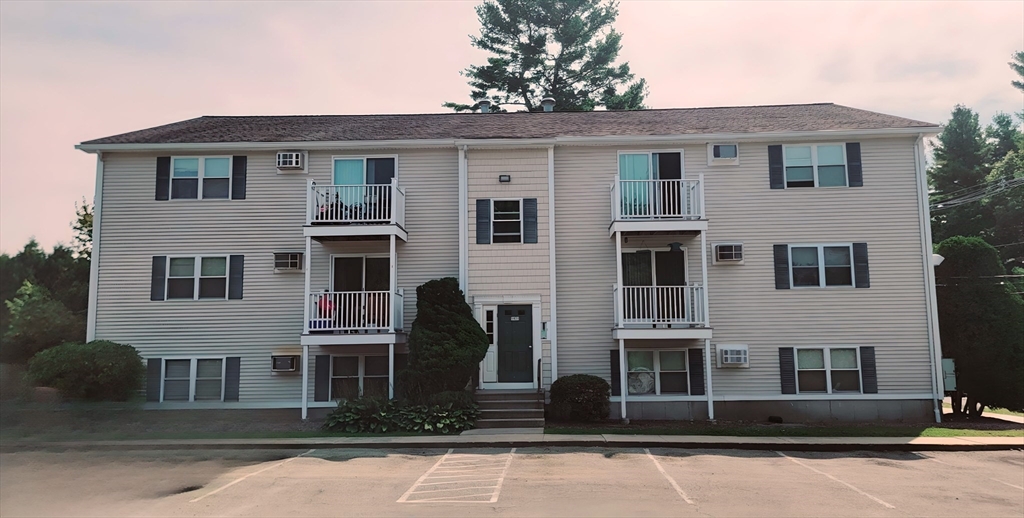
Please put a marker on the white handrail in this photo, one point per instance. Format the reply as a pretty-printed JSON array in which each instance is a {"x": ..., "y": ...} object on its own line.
[
  {"x": 361, "y": 203},
  {"x": 355, "y": 311},
  {"x": 660, "y": 305},
  {"x": 657, "y": 199}
]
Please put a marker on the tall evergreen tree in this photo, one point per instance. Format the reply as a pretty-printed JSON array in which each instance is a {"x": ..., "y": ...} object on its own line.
[
  {"x": 1002, "y": 135},
  {"x": 1018, "y": 66},
  {"x": 960, "y": 167},
  {"x": 563, "y": 49}
]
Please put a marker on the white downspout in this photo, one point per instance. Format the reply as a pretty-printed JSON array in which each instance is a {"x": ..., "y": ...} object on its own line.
[
  {"x": 707, "y": 321},
  {"x": 94, "y": 257},
  {"x": 935, "y": 349},
  {"x": 463, "y": 221},
  {"x": 553, "y": 297},
  {"x": 305, "y": 382}
]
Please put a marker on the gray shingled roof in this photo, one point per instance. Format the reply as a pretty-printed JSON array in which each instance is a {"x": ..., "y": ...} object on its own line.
[{"x": 306, "y": 128}]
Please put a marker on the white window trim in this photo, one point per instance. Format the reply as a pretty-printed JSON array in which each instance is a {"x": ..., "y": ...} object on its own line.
[
  {"x": 202, "y": 176},
  {"x": 650, "y": 160},
  {"x": 522, "y": 221},
  {"x": 827, "y": 354},
  {"x": 654, "y": 264},
  {"x": 657, "y": 371},
  {"x": 192, "y": 374},
  {"x": 289, "y": 270},
  {"x": 821, "y": 266},
  {"x": 361, "y": 372},
  {"x": 814, "y": 165},
  {"x": 196, "y": 271},
  {"x": 364, "y": 158},
  {"x": 714, "y": 253},
  {"x": 712, "y": 161}
]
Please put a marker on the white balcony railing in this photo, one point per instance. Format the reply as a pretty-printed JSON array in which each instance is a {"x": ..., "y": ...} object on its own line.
[
  {"x": 653, "y": 305},
  {"x": 657, "y": 199},
  {"x": 369, "y": 204},
  {"x": 353, "y": 311}
]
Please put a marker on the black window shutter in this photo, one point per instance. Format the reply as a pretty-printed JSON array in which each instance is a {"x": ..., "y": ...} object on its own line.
[
  {"x": 787, "y": 370},
  {"x": 236, "y": 272},
  {"x": 158, "y": 283},
  {"x": 776, "y": 173},
  {"x": 232, "y": 374},
  {"x": 163, "y": 178},
  {"x": 854, "y": 169},
  {"x": 868, "y": 371},
  {"x": 530, "y": 220},
  {"x": 862, "y": 278},
  {"x": 616, "y": 378},
  {"x": 781, "y": 267},
  {"x": 483, "y": 222},
  {"x": 322, "y": 378},
  {"x": 153, "y": 368},
  {"x": 238, "y": 166},
  {"x": 696, "y": 372}
]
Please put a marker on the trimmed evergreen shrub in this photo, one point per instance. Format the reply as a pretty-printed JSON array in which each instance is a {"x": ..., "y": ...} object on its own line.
[
  {"x": 446, "y": 344},
  {"x": 382, "y": 415},
  {"x": 455, "y": 398},
  {"x": 580, "y": 397},
  {"x": 96, "y": 371}
]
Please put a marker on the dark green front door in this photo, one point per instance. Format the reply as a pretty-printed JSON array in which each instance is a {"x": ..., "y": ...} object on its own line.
[{"x": 515, "y": 344}]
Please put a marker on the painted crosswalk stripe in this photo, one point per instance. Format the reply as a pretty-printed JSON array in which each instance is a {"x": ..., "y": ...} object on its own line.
[{"x": 461, "y": 478}]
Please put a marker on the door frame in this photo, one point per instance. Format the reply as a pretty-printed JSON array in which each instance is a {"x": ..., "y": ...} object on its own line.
[
  {"x": 483, "y": 302},
  {"x": 363, "y": 158},
  {"x": 650, "y": 160},
  {"x": 654, "y": 264},
  {"x": 330, "y": 280}
]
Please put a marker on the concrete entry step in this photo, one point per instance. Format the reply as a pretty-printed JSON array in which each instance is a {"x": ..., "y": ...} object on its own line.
[
  {"x": 512, "y": 404},
  {"x": 510, "y": 423},
  {"x": 513, "y": 413},
  {"x": 510, "y": 409}
]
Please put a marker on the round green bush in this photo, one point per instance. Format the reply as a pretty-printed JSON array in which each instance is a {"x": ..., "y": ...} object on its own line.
[
  {"x": 96, "y": 371},
  {"x": 580, "y": 397}
]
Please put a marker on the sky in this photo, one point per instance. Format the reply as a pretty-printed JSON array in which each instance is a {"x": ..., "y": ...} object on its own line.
[{"x": 74, "y": 71}]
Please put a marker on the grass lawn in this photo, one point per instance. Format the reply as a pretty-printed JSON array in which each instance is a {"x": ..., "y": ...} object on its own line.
[
  {"x": 1003, "y": 411},
  {"x": 767, "y": 430}
]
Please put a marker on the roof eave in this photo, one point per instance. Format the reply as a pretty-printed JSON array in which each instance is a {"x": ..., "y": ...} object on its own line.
[{"x": 514, "y": 142}]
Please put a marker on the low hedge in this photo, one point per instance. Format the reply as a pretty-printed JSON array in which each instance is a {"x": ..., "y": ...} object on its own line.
[
  {"x": 383, "y": 415},
  {"x": 95, "y": 371},
  {"x": 580, "y": 397}
]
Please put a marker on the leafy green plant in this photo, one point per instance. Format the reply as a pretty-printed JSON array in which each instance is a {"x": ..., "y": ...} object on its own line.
[
  {"x": 580, "y": 397},
  {"x": 37, "y": 322},
  {"x": 95, "y": 371},
  {"x": 382, "y": 416}
]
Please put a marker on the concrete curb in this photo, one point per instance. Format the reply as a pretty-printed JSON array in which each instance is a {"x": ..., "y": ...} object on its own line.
[{"x": 816, "y": 444}]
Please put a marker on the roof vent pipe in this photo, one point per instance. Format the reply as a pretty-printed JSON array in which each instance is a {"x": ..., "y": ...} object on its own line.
[
  {"x": 548, "y": 103},
  {"x": 485, "y": 106}
]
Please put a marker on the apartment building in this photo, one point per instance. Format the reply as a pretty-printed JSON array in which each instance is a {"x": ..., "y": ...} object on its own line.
[{"x": 730, "y": 263}]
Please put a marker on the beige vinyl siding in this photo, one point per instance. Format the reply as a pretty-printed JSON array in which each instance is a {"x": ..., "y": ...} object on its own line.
[
  {"x": 745, "y": 307},
  {"x": 511, "y": 268},
  {"x": 268, "y": 320}
]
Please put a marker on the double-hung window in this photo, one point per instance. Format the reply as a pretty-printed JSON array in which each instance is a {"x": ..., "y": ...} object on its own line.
[
  {"x": 359, "y": 376},
  {"x": 194, "y": 379},
  {"x": 656, "y": 372},
  {"x": 822, "y": 165},
  {"x": 821, "y": 265},
  {"x": 201, "y": 177},
  {"x": 194, "y": 278},
  {"x": 507, "y": 221},
  {"x": 828, "y": 370}
]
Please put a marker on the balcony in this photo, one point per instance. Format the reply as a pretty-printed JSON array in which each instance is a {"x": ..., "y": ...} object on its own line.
[
  {"x": 657, "y": 205},
  {"x": 354, "y": 317},
  {"x": 660, "y": 312},
  {"x": 350, "y": 211}
]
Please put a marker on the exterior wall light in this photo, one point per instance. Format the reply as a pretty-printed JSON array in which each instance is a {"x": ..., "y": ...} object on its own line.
[{"x": 505, "y": 178}]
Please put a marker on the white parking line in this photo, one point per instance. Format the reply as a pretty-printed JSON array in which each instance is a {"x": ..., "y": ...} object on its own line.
[
  {"x": 239, "y": 479},
  {"x": 667, "y": 477},
  {"x": 884, "y": 503},
  {"x": 459, "y": 473},
  {"x": 1009, "y": 484}
]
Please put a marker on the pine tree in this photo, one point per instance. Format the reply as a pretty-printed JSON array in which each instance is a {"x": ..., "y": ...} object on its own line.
[
  {"x": 1018, "y": 66},
  {"x": 563, "y": 49},
  {"x": 960, "y": 167}
]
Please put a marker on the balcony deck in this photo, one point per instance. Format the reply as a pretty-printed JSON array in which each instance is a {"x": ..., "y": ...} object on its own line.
[
  {"x": 657, "y": 206},
  {"x": 365, "y": 211},
  {"x": 660, "y": 312},
  {"x": 355, "y": 317}
]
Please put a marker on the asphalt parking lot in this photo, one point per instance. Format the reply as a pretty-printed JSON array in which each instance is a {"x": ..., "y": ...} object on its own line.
[{"x": 506, "y": 482}]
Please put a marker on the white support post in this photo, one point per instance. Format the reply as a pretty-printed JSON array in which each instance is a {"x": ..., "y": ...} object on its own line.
[
  {"x": 707, "y": 378},
  {"x": 463, "y": 220},
  {"x": 309, "y": 201},
  {"x": 305, "y": 381},
  {"x": 391, "y": 370},
  {"x": 704, "y": 275},
  {"x": 553, "y": 289},
  {"x": 393, "y": 283},
  {"x": 622, "y": 381},
  {"x": 307, "y": 261},
  {"x": 618, "y": 280}
]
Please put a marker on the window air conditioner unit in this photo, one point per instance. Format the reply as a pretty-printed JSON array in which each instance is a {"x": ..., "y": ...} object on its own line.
[
  {"x": 289, "y": 160},
  {"x": 284, "y": 363},
  {"x": 733, "y": 356}
]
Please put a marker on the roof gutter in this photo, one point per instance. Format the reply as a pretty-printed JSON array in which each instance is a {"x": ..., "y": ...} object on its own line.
[{"x": 515, "y": 142}]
